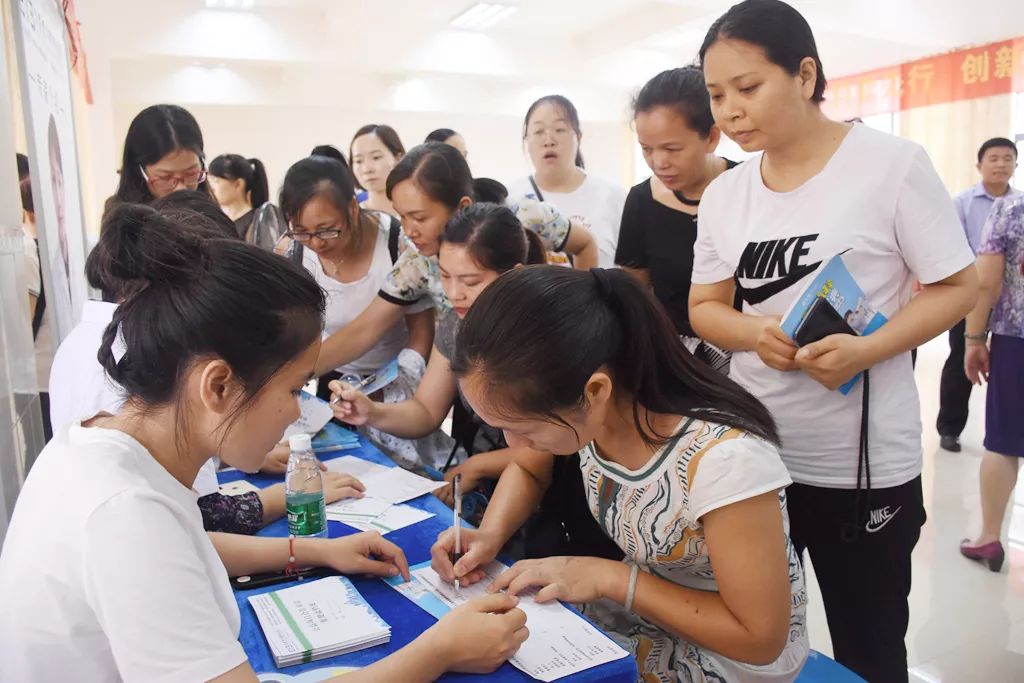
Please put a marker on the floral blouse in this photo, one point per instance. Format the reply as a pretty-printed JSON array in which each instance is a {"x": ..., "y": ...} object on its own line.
[
  {"x": 1004, "y": 234},
  {"x": 416, "y": 276}
]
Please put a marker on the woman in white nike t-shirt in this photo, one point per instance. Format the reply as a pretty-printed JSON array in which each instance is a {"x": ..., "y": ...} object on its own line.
[
  {"x": 552, "y": 136},
  {"x": 218, "y": 343},
  {"x": 819, "y": 188}
]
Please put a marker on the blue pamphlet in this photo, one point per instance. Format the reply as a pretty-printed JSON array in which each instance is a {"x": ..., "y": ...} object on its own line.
[{"x": 832, "y": 302}]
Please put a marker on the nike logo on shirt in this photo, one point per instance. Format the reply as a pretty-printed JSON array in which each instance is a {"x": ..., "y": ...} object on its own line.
[{"x": 777, "y": 258}]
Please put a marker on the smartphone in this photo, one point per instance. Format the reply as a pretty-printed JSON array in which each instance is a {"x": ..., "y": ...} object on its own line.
[{"x": 250, "y": 581}]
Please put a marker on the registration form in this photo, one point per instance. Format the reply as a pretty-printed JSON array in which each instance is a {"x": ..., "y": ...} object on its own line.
[{"x": 561, "y": 642}]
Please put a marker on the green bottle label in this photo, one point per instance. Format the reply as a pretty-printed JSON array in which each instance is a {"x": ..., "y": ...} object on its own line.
[{"x": 306, "y": 514}]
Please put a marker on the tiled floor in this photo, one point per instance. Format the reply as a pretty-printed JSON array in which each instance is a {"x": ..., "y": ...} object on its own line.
[{"x": 966, "y": 623}]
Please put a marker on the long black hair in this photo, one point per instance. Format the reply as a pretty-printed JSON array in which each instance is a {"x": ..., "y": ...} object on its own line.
[
  {"x": 682, "y": 90},
  {"x": 495, "y": 238},
  {"x": 569, "y": 112},
  {"x": 775, "y": 27},
  {"x": 154, "y": 133},
  {"x": 251, "y": 171},
  {"x": 200, "y": 297},
  {"x": 537, "y": 334}
]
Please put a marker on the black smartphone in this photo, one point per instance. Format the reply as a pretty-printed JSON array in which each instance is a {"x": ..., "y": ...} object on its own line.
[{"x": 250, "y": 581}]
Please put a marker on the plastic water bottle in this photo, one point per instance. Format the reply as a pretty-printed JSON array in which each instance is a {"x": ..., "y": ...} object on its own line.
[{"x": 304, "y": 490}]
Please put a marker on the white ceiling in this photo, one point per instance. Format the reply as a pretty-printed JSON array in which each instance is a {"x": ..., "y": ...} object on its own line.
[{"x": 320, "y": 51}]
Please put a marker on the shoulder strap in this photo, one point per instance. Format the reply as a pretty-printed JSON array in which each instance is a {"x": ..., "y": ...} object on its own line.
[
  {"x": 394, "y": 232},
  {"x": 37, "y": 317},
  {"x": 536, "y": 189},
  {"x": 295, "y": 253}
]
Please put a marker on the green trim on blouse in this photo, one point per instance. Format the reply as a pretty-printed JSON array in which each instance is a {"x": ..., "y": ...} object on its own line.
[{"x": 655, "y": 464}]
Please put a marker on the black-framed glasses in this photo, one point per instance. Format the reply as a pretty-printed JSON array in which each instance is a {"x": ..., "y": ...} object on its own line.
[
  {"x": 325, "y": 234},
  {"x": 167, "y": 183}
]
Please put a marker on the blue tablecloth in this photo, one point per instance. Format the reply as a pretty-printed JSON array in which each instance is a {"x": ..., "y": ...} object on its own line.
[{"x": 406, "y": 619}]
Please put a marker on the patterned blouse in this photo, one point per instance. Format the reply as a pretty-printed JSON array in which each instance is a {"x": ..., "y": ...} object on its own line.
[
  {"x": 1004, "y": 234},
  {"x": 655, "y": 515},
  {"x": 415, "y": 276}
]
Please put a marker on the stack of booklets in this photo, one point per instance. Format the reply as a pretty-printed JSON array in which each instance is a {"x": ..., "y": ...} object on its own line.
[
  {"x": 316, "y": 620},
  {"x": 335, "y": 440}
]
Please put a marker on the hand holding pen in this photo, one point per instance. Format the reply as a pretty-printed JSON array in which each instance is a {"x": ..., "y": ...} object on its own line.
[
  {"x": 349, "y": 404},
  {"x": 457, "y": 522}
]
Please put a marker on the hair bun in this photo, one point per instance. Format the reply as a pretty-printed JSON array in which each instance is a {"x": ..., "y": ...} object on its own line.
[{"x": 142, "y": 245}]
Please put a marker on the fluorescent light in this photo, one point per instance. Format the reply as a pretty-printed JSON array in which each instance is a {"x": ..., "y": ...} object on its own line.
[{"x": 483, "y": 15}]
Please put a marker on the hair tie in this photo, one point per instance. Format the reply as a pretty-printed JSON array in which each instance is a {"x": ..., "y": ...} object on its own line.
[{"x": 604, "y": 282}]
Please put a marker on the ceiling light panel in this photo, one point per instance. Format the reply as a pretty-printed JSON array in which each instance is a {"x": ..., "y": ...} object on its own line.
[{"x": 483, "y": 15}]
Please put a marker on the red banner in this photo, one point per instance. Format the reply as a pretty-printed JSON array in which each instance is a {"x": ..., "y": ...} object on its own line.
[{"x": 982, "y": 71}]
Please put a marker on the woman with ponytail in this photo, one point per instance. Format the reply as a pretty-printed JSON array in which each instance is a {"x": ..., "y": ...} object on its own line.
[
  {"x": 241, "y": 188},
  {"x": 680, "y": 466},
  {"x": 212, "y": 344}
]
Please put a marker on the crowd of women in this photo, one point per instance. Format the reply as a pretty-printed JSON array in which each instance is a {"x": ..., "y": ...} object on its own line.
[{"x": 645, "y": 438}]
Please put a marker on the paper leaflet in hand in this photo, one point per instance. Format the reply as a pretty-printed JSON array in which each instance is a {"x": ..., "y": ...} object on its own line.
[
  {"x": 383, "y": 377},
  {"x": 314, "y": 413},
  {"x": 833, "y": 302},
  {"x": 560, "y": 642}
]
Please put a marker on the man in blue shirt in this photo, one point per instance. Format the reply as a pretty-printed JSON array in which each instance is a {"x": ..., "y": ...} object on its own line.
[{"x": 997, "y": 160}]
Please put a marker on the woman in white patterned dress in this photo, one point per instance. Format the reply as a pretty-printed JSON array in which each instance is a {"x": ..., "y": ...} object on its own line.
[{"x": 680, "y": 466}]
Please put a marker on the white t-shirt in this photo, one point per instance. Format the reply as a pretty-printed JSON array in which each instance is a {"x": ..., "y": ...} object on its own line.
[
  {"x": 80, "y": 388},
  {"x": 596, "y": 205},
  {"x": 107, "y": 573},
  {"x": 347, "y": 300},
  {"x": 880, "y": 197}
]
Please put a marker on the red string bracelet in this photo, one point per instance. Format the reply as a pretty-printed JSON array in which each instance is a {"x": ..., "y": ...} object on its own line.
[{"x": 292, "y": 568}]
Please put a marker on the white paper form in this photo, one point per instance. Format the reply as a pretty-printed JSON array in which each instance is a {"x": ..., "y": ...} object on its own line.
[
  {"x": 394, "y": 518},
  {"x": 560, "y": 643},
  {"x": 314, "y": 413},
  {"x": 354, "y": 511},
  {"x": 392, "y": 484}
]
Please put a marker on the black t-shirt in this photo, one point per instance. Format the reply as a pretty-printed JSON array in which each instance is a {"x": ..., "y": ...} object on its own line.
[{"x": 660, "y": 240}]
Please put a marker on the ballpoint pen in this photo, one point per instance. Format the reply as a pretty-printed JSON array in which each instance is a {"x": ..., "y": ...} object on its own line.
[
  {"x": 365, "y": 382},
  {"x": 457, "y": 521}
]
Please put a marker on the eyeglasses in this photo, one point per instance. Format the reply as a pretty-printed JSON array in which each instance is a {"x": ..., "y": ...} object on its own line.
[
  {"x": 167, "y": 183},
  {"x": 325, "y": 234}
]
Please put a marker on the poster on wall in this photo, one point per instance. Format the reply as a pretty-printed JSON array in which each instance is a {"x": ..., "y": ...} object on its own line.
[{"x": 40, "y": 34}]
